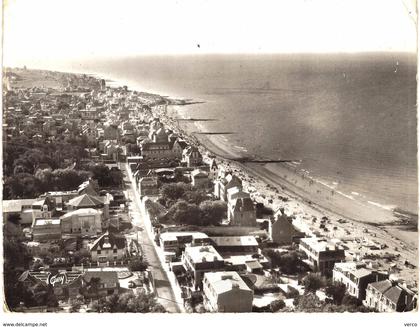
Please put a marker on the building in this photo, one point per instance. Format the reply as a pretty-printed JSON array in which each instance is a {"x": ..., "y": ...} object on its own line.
[
  {"x": 46, "y": 230},
  {"x": 108, "y": 247},
  {"x": 389, "y": 296},
  {"x": 21, "y": 207},
  {"x": 107, "y": 282},
  {"x": 82, "y": 222},
  {"x": 225, "y": 182},
  {"x": 192, "y": 157},
  {"x": 174, "y": 243},
  {"x": 281, "y": 230},
  {"x": 356, "y": 277},
  {"x": 178, "y": 241},
  {"x": 157, "y": 145},
  {"x": 199, "y": 178},
  {"x": 149, "y": 186},
  {"x": 241, "y": 210},
  {"x": 322, "y": 254},
  {"x": 198, "y": 260},
  {"x": 85, "y": 201},
  {"x": 227, "y": 245},
  {"x": 225, "y": 291}
]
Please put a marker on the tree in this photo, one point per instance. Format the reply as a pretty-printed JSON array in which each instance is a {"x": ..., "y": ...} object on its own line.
[
  {"x": 313, "y": 282},
  {"x": 184, "y": 213},
  {"x": 308, "y": 302},
  {"x": 128, "y": 302},
  {"x": 75, "y": 304},
  {"x": 349, "y": 300},
  {"x": 336, "y": 291},
  {"x": 213, "y": 212},
  {"x": 137, "y": 265},
  {"x": 174, "y": 191},
  {"x": 277, "y": 305}
]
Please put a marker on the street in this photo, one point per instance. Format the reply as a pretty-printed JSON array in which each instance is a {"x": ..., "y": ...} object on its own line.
[{"x": 163, "y": 288}]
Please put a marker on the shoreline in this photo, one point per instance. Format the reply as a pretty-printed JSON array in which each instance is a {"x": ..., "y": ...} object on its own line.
[
  {"x": 338, "y": 205},
  {"x": 303, "y": 202}
]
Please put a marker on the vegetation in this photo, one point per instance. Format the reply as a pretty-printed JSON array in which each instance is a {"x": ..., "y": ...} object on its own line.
[
  {"x": 309, "y": 302},
  {"x": 127, "y": 302},
  {"x": 277, "y": 305},
  {"x": 313, "y": 282},
  {"x": 336, "y": 291},
  {"x": 289, "y": 262},
  {"x": 137, "y": 264}
]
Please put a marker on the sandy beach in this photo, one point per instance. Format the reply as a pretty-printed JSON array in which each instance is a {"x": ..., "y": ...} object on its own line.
[{"x": 271, "y": 183}]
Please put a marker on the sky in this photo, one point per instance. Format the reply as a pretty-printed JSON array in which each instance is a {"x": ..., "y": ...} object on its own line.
[{"x": 49, "y": 30}]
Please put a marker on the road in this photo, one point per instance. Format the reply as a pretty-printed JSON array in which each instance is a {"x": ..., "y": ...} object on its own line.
[{"x": 165, "y": 294}]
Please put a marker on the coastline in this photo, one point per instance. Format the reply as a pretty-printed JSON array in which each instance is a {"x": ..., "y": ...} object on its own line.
[
  {"x": 283, "y": 187},
  {"x": 264, "y": 184},
  {"x": 318, "y": 197}
]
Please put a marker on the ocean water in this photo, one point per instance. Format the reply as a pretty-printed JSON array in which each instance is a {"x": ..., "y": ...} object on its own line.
[{"x": 350, "y": 120}]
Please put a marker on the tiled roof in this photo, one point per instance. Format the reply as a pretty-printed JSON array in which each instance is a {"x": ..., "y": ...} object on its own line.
[
  {"x": 381, "y": 286},
  {"x": 85, "y": 201},
  {"x": 118, "y": 241}
]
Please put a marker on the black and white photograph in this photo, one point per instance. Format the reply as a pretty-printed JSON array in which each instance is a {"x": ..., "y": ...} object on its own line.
[{"x": 199, "y": 158}]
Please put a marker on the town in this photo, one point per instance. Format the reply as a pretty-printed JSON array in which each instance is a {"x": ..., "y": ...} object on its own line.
[{"x": 109, "y": 206}]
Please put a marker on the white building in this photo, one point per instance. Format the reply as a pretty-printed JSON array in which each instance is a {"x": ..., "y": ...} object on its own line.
[{"x": 225, "y": 291}]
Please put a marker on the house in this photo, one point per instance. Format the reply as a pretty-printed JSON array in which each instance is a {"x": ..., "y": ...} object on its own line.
[
  {"x": 281, "y": 230},
  {"x": 178, "y": 147},
  {"x": 60, "y": 198},
  {"x": 198, "y": 260},
  {"x": 225, "y": 182},
  {"x": 225, "y": 291},
  {"x": 106, "y": 283},
  {"x": 89, "y": 187},
  {"x": 192, "y": 157},
  {"x": 21, "y": 207},
  {"x": 356, "y": 277},
  {"x": 174, "y": 243},
  {"x": 157, "y": 145},
  {"x": 83, "y": 222},
  {"x": 199, "y": 178},
  {"x": 148, "y": 185},
  {"x": 46, "y": 230},
  {"x": 108, "y": 247},
  {"x": 322, "y": 254},
  {"x": 241, "y": 209},
  {"x": 85, "y": 201},
  {"x": 389, "y": 296},
  {"x": 235, "y": 244}
]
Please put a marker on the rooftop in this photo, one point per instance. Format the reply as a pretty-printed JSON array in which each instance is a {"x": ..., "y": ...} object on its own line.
[
  {"x": 199, "y": 254},
  {"x": 16, "y": 205},
  {"x": 225, "y": 281},
  {"x": 172, "y": 236},
  {"x": 235, "y": 240},
  {"x": 322, "y": 244},
  {"x": 81, "y": 212}
]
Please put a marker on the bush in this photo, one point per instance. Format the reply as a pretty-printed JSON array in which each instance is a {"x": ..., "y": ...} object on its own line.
[
  {"x": 292, "y": 292},
  {"x": 337, "y": 291},
  {"x": 313, "y": 282},
  {"x": 277, "y": 305},
  {"x": 137, "y": 265}
]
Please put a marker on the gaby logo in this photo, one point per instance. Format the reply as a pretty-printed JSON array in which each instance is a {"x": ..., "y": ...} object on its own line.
[{"x": 60, "y": 279}]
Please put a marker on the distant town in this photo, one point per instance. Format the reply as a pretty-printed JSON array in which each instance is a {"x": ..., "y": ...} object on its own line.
[{"x": 109, "y": 206}]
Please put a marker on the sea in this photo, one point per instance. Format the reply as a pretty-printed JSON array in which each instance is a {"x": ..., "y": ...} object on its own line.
[{"x": 346, "y": 120}]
